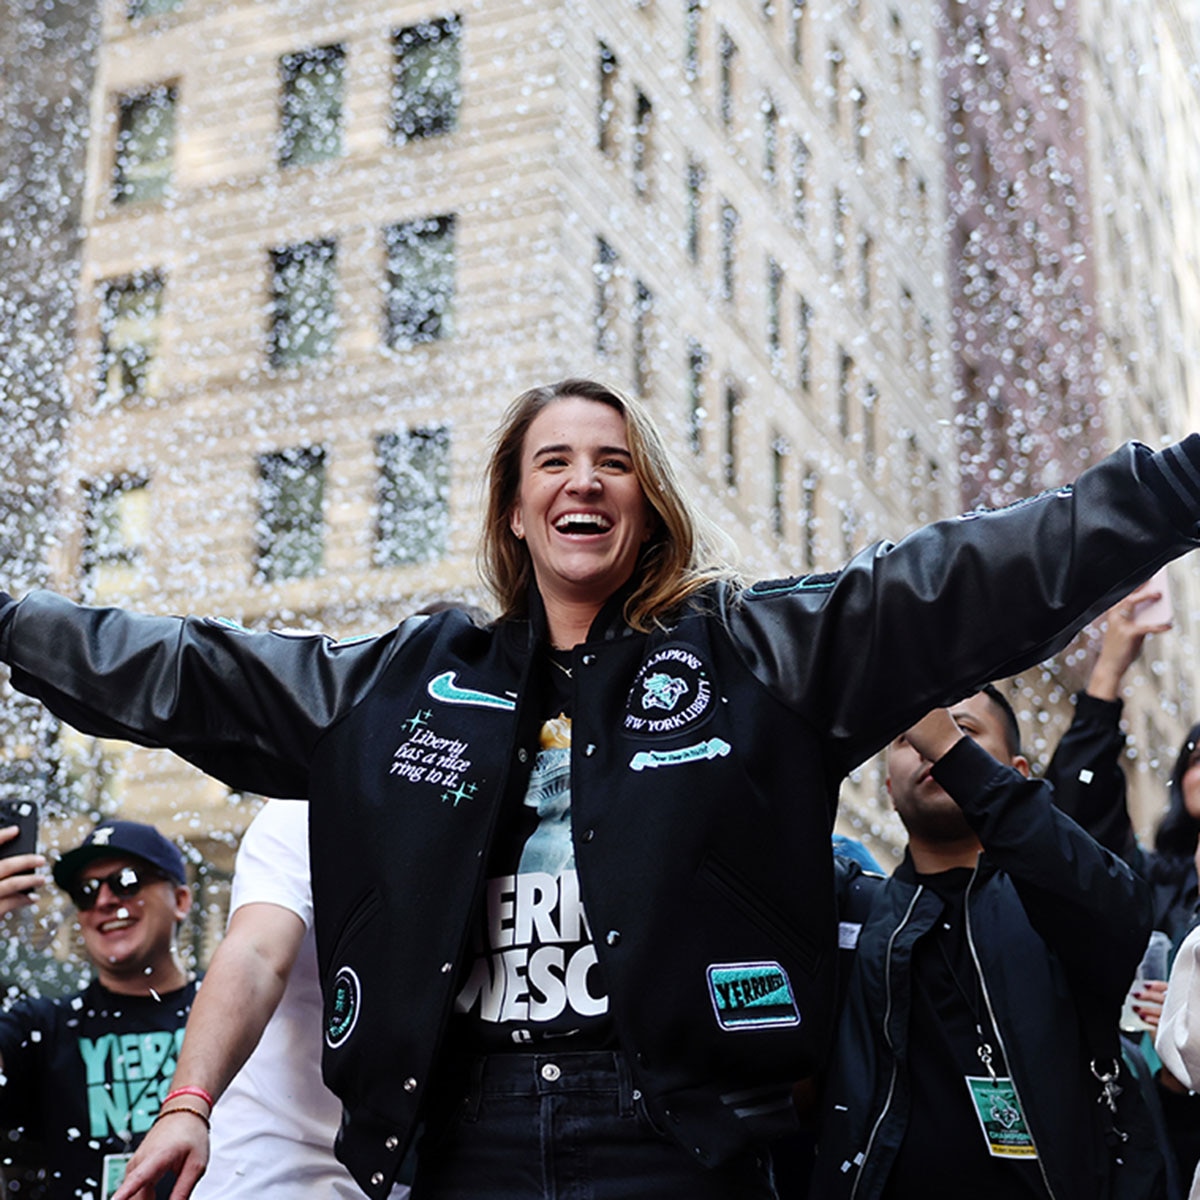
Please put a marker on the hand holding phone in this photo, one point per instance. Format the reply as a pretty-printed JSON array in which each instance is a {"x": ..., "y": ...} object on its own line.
[
  {"x": 1151, "y": 603},
  {"x": 20, "y": 865},
  {"x": 24, "y": 815}
]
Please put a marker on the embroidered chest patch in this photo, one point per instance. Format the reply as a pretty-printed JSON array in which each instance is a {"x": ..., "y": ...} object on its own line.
[
  {"x": 754, "y": 995},
  {"x": 671, "y": 693},
  {"x": 341, "y": 1009}
]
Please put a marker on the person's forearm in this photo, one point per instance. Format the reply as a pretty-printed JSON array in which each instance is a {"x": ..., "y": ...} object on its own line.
[{"x": 240, "y": 992}]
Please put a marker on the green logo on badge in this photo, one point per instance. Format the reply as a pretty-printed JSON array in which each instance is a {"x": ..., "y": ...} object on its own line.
[
  {"x": 342, "y": 1007},
  {"x": 1000, "y": 1117}
]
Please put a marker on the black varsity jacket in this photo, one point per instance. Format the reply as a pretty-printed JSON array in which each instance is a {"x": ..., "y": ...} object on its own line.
[{"x": 706, "y": 759}]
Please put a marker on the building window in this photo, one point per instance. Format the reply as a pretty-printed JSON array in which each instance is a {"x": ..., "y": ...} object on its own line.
[
  {"x": 796, "y": 37},
  {"x": 804, "y": 322},
  {"x": 809, "y": 519},
  {"x": 862, "y": 123},
  {"x": 420, "y": 281},
  {"x": 291, "y": 523},
  {"x": 908, "y": 328},
  {"x": 116, "y": 529},
  {"x": 800, "y": 163},
  {"x": 928, "y": 348},
  {"x": 310, "y": 126},
  {"x": 304, "y": 315},
  {"x": 129, "y": 336},
  {"x": 693, "y": 12},
  {"x": 426, "y": 79},
  {"x": 414, "y": 496},
  {"x": 606, "y": 104},
  {"x": 145, "y": 145},
  {"x": 727, "y": 74},
  {"x": 870, "y": 414},
  {"x": 729, "y": 232},
  {"x": 643, "y": 145},
  {"x": 922, "y": 208},
  {"x": 866, "y": 255},
  {"x": 643, "y": 323},
  {"x": 774, "y": 312},
  {"x": 733, "y": 408},
  {"x": 605, "y": 271},
  {"x": 770, "y": 118},
  {"x": 697, "y": 361},
  {"x": 695, "y": 207},
  {"x": 844, "y": 386},
  {"x": 779, "y": 456},
  {"x": 835, "y": 87},
  {"x": 839, "y": 233}
]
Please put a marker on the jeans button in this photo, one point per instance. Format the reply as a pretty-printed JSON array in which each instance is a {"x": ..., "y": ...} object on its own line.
[{"x": 550, "y": 1072}]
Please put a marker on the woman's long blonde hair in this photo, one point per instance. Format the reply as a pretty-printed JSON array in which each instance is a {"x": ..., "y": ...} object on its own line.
[{"x": 679, "y": 557}]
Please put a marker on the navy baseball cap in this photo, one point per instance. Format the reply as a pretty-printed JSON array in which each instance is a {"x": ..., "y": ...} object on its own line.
[{"x": 112, "y": 838}]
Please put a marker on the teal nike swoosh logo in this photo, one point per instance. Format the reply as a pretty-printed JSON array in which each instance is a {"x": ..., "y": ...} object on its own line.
[{"x": 442, "y": 687}]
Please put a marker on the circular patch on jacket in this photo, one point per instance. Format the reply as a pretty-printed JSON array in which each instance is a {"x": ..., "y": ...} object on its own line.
[
  {"x": 341, "y": 1013},
  {"x": 671, "y": 693}
]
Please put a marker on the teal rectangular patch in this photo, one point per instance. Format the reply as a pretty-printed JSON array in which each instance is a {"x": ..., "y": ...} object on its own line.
[{"x": 751, "y": 995}]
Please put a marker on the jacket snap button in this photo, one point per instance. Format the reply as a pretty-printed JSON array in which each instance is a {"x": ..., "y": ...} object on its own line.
[
  {"x": 523, "y": 754},
  {"x": 377, "y": 1178},
  {"x": 612, "y": 937},
  {"x": 591, "y": 749},
  {"x": 410, "y": 1084},
  {"x": 551, "y": 1071},
  {"x": 391, "y": 1143},
  {"x": 588, "y": 834},
  {"x": 447, "y": 968},
  {"x": 588, "y": 659}
]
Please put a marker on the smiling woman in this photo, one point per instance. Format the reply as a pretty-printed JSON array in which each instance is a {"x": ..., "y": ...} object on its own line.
[
  {"x": 571, "y": 870},
  {"x": 677, "y": 554}
]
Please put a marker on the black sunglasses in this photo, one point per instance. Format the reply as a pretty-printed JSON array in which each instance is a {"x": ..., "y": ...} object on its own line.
[{"x": 123, "y": 883}]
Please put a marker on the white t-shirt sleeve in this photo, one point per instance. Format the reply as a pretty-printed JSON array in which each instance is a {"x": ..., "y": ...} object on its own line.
[
  {"x": 1178, "y": 1037},
  {"x": 272, "y": 861}
]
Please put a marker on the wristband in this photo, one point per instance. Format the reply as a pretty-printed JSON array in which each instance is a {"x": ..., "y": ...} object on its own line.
[
  {"x": 190, "y": 1090},
  {"x": 182, "y": 1108}
]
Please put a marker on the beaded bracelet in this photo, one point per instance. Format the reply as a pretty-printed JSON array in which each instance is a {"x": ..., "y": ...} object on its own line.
[
  {"x": 182, "y": 1108},
  {"x": 190, "y": 1090}
]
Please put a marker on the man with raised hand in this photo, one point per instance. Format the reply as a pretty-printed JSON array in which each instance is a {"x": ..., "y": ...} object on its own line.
[
  {"x": 84, "y": 1076},
  {"x": 986, "y": 983}
]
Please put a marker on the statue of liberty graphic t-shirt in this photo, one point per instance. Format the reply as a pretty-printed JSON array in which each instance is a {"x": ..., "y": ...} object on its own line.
[{"x": 534, "y": 975}]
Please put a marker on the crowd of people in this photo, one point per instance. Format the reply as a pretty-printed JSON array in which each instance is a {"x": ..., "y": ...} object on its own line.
[{"x": 557, "y": 907}]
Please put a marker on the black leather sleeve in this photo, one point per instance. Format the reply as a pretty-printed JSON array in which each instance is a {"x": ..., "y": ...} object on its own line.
[
  {"x": 245, "y": 707},
  {"x": 1086, "y": 904},
  {"x": 904, "y": 627}
]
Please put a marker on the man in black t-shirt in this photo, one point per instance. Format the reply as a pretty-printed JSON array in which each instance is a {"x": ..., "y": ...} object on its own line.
[
  {"x": 84, "y": 1075},
  {"x": 986, "y": 972}
]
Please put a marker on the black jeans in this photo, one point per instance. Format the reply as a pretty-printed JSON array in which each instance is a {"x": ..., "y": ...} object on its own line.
[{"x": 564, "y": 1127}]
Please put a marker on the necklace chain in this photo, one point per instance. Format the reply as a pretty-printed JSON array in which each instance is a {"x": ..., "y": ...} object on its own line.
[{"x": 565, "y": 670}]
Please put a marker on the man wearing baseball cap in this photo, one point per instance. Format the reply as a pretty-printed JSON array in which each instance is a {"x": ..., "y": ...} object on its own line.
[{"x": 85, "y": 1075}]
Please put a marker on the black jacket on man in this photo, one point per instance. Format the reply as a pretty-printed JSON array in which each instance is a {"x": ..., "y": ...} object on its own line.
[
  {"x": 705, "y": 764},
  {"x": 1056, "y": 925},
  {"x": 1089, "y": 785}
]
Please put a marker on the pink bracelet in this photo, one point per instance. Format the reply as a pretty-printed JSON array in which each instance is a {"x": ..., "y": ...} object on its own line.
[{"x": 198, "y": 1092}]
